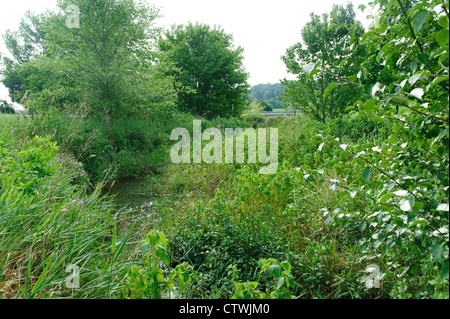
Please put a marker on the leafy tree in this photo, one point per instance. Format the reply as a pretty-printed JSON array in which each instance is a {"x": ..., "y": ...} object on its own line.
[
  {"x": 331, "y": 41},
  {"x": 266, "y": 105},
  {"x": 24, "y": 45},
  {"x": 210, "y": 78},
  {"x": 7, "y": 109},
  {"x": 269, "y": 93},
  {"x": 407, "y": 172},
  {"x": 108, "y": 62},
  {"x": 255, "y": 107},
  {"x": 110, "y": 51}
]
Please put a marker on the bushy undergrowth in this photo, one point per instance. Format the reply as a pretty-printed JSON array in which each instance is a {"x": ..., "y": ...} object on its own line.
[
  {"x": 130, "y": 146},
  {"x": 50, "y": 224},
  {"x": 315, "y": 229},
  {"x": 212, "y": 242},
  {"x": 317, "y": 212}
]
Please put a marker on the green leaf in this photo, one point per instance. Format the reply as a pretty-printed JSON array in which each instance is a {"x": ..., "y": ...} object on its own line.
[
  {"x": 314, "y": 72},
  {"x": 367, "y": 174},
  {"x": 405, "y": 205},
  {"x": 286, "y": 266},
  {"x": 329, "y": 89},
  {"x": 331, "y": 26},
  {"x": 309, "y": 68},
  {"x": 444, "y": 270},
  {"x": 412, "y": 201},
  {"x": 419, "y": 20},
  {"x": 342, "y": 25},
  {"x": 163, "y": 256},
  {"x": 442, "y": 207},
  {"x": 280, "y": 282},
  {"x": 140, "y": 285},
  {"x": 371, "y": 90},
  {"x": 443, "y": 21},
  {"x": 436, "y": 81},
  {"x": 277, "y": 271},
  {"x": 417, "y": 92},
  {"x": 437, "y": 251},
  {"x": 385, "y": 197},
  {"x": 401, "y": 193},
  {"x": 413, "y": 79},
  {"x": 321, "y": 146},
  {"x": 442, "y": 37},
  {"x": 180, "y": 282}
]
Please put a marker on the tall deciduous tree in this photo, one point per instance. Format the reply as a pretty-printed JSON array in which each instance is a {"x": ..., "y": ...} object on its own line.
[
  {"x": 24, "y": 45},
  {"x": 331, "y": 41},
  {"x": 211, "y": 80},
  {"x": 107, "y": 60},
  {"x": 110, "y": 51}
]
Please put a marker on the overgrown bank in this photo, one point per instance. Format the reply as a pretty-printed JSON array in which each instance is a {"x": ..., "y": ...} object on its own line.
[
  {"x": 51, "y": 222},
  {"x": 230, "y": 230},
  {"x": 318, "y": 213},
  {"x": 358, "y": 207}
]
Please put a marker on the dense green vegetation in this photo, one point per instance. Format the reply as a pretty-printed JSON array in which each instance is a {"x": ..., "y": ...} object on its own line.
[
  {"x": 50, "y": 219},
  {"x": 331, "y": 41},
  {"x": 209, "y": 76},
  {"x": 6, "y": 109},
  {"x": 268, "y": 95},
  {"x": 358, "y": 207}
]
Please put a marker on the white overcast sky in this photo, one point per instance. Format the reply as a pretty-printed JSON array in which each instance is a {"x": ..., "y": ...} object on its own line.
[{"x": 264, "y": 28}]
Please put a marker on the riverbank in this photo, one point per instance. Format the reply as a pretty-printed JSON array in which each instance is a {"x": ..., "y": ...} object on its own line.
[
  {"x": 307, "y": 231},
  {"x": 59, "y": 236}
]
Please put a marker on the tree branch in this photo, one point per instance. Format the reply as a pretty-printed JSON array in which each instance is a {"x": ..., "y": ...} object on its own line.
[
  {"x": 400, "y": 185},
  {"x": 410, "y": 27},
  {"x": 445, "y": 8},
  {"x": 392, "y": 101}
]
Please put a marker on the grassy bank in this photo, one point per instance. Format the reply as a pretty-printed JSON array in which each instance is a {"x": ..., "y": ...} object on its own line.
[
  {"x": 312, "y": 230},
  {"x": 53, "y": 223},
  {"x": 315, "y": 221}
]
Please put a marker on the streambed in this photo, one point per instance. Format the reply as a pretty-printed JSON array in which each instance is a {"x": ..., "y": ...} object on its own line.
[{"x": 134, "y": 196}]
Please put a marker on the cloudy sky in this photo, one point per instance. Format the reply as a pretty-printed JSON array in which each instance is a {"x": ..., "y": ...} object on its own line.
[{"x": 265, "y": 29}]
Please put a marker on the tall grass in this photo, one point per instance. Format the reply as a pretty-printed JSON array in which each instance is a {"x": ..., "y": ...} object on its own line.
[{"x": 49, "y": 221}]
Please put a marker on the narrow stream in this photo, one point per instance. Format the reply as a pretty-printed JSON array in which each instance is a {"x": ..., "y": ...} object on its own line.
[{"x": 133, "y": 194}]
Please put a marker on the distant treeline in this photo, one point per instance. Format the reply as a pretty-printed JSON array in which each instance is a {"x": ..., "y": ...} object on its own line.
[{"x": 269, "y": 93}]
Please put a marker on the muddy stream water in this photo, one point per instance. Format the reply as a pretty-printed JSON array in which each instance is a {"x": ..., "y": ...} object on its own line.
[{"x": 133, "y": 194}]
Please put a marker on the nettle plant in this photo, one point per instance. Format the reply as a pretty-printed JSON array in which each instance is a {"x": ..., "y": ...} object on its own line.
[{"x": 405, "y": 179}]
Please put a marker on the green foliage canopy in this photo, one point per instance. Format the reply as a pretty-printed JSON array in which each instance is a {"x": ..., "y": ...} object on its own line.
[
  {"x": 210, "y": 78},
  {"x": 107, "y": 63},
  {"x": 331, "y": 41},
  {"x": 269, "y": 93},
  {"x": 406, "y": 173}
]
